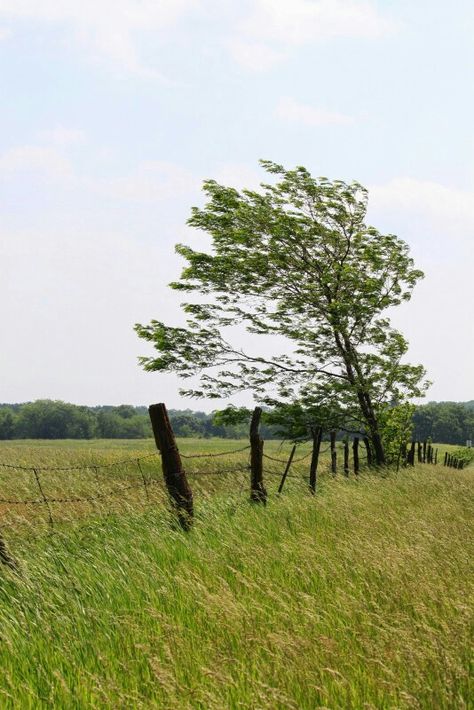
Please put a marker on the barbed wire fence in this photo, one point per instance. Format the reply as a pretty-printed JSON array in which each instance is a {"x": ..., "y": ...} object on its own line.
[{"x": 173, "y": 477}]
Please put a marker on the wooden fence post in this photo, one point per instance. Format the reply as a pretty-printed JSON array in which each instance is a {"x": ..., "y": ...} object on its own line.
[
  {"x": 332, "y": 436},
  {"x": 370, "y": 458},
  {"x": 258, "y": 494},
  {"x": 346, "y": 458},
  {"x": 420, "y": 455},
  {"x": 285, "y": 474},
  {"x": 176, "y": 482},
  {"x": 355, "y": 454},
  {"x": 425, "y": 444},
  {"x": 436, "y": 457},
  {"x": 445, "y": 458},
  {"x": 313, "y": 469},
  {"x": 411, "y": 454}
]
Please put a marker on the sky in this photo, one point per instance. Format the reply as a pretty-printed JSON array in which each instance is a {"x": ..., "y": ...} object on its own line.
[{"x": 113, "y": 113}]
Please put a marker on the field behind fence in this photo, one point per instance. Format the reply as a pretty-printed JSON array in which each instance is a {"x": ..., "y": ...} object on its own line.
[{"x": 52, "y": 484}]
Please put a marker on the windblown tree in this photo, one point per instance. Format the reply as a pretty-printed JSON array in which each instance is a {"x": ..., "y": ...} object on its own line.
[{"x": 297, "y": 260}]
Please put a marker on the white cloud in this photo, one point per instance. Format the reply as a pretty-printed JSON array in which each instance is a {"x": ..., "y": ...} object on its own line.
[
  {"x": 290, "y": 110},
  {"x": 61, "y": 136},
  {"x": 442, "y": 205},
  {"x": 300, "y": 21},
  {"x": 255, "y": 56},
  {"x": 274, "y": 26},
  {"x": 105, "y": 29},
  {"x": 37, "y": 159},
  {"x": 150, "y": 181}
]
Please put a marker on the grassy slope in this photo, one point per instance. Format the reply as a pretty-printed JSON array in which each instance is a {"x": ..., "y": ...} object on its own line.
[{"x": 360, "y": 597}]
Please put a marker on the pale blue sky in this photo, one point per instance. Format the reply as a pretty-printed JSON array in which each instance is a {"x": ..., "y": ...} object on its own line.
[{"x": 114, "y": 112}]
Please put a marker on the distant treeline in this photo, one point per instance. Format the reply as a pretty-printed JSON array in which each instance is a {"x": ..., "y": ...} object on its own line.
[
  {"x": 443, "y": 422},
  {"x": 47, "y": 419}
]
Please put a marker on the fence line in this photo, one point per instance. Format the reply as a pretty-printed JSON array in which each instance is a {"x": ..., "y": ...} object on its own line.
[
  {"x": 212, "y": 456},
  {"x": 120, "y": 462},
  {"x": 86, "y": 467},
  {"x": 428, "y": 454}
]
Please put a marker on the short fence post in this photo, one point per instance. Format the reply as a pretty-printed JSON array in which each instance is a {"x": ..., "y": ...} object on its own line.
[
  {"x": 332, "y": 436},
  {"x": 425, "y": 444},
  {"x": 313, "y": 469},
  {"x": 176, "y": 482},
  {"x": 258, "y": 494},
  {"x": 355, "y": 455},
  {"x": 283, "y": 479},
  {"x": 436, "y": 457},
  {"x": 43, "y": 495},
  {"x": 419, "y": 452},
  {"x": 411, "y": 455},
  {"x": 346, "y": 458},
  {"x": 445, "y": 458}
]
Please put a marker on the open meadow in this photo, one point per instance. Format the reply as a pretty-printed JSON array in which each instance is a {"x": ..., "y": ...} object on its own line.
[{"x": 358, "y": 597}]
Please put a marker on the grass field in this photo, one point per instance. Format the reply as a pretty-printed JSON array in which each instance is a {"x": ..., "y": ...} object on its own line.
[{"x": 360, "y": 597}]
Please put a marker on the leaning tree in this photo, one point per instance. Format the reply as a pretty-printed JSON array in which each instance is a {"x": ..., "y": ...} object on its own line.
[{"x": 294, "y": 259}]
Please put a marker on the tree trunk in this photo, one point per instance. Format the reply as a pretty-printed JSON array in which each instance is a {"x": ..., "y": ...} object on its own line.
[{"x": 357, "y": 380}]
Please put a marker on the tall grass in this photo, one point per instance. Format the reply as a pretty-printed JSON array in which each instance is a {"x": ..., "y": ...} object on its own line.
[{"x": 360, "y": 597}]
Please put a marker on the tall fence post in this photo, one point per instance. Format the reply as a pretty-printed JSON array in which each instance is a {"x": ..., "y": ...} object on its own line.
[
  {"x": 346, "y": 458},
  {"x": 176, "y": 482},
  {"x": 420, "y": 454},
  {"x": 313, "y": 469},
  {"x": 355, "y": 455},
  {"x": 332, "y": 436},
  {"x": 258, "y": 494}
]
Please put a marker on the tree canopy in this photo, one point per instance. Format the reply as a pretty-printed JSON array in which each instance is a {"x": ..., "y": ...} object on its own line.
[{"x": 297, "y": 260}]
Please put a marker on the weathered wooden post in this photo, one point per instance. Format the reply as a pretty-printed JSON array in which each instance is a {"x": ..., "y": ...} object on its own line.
[
  {"x": 445, "y": 458},
  {"x": 258, "y": 494},
  {"x": 425, "y": 444},
  {"x": 355, "y": 455},
  {"x": 436, "y": 457},
  {"x": 332, "y": 436},
  {"x": 176, "y": 482},
  {"x": 313, "y": 469},
  {"x": 420, "y": 455},
  {"x": 411, "y": 454},
  {"x": 346, "y": 458}
]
